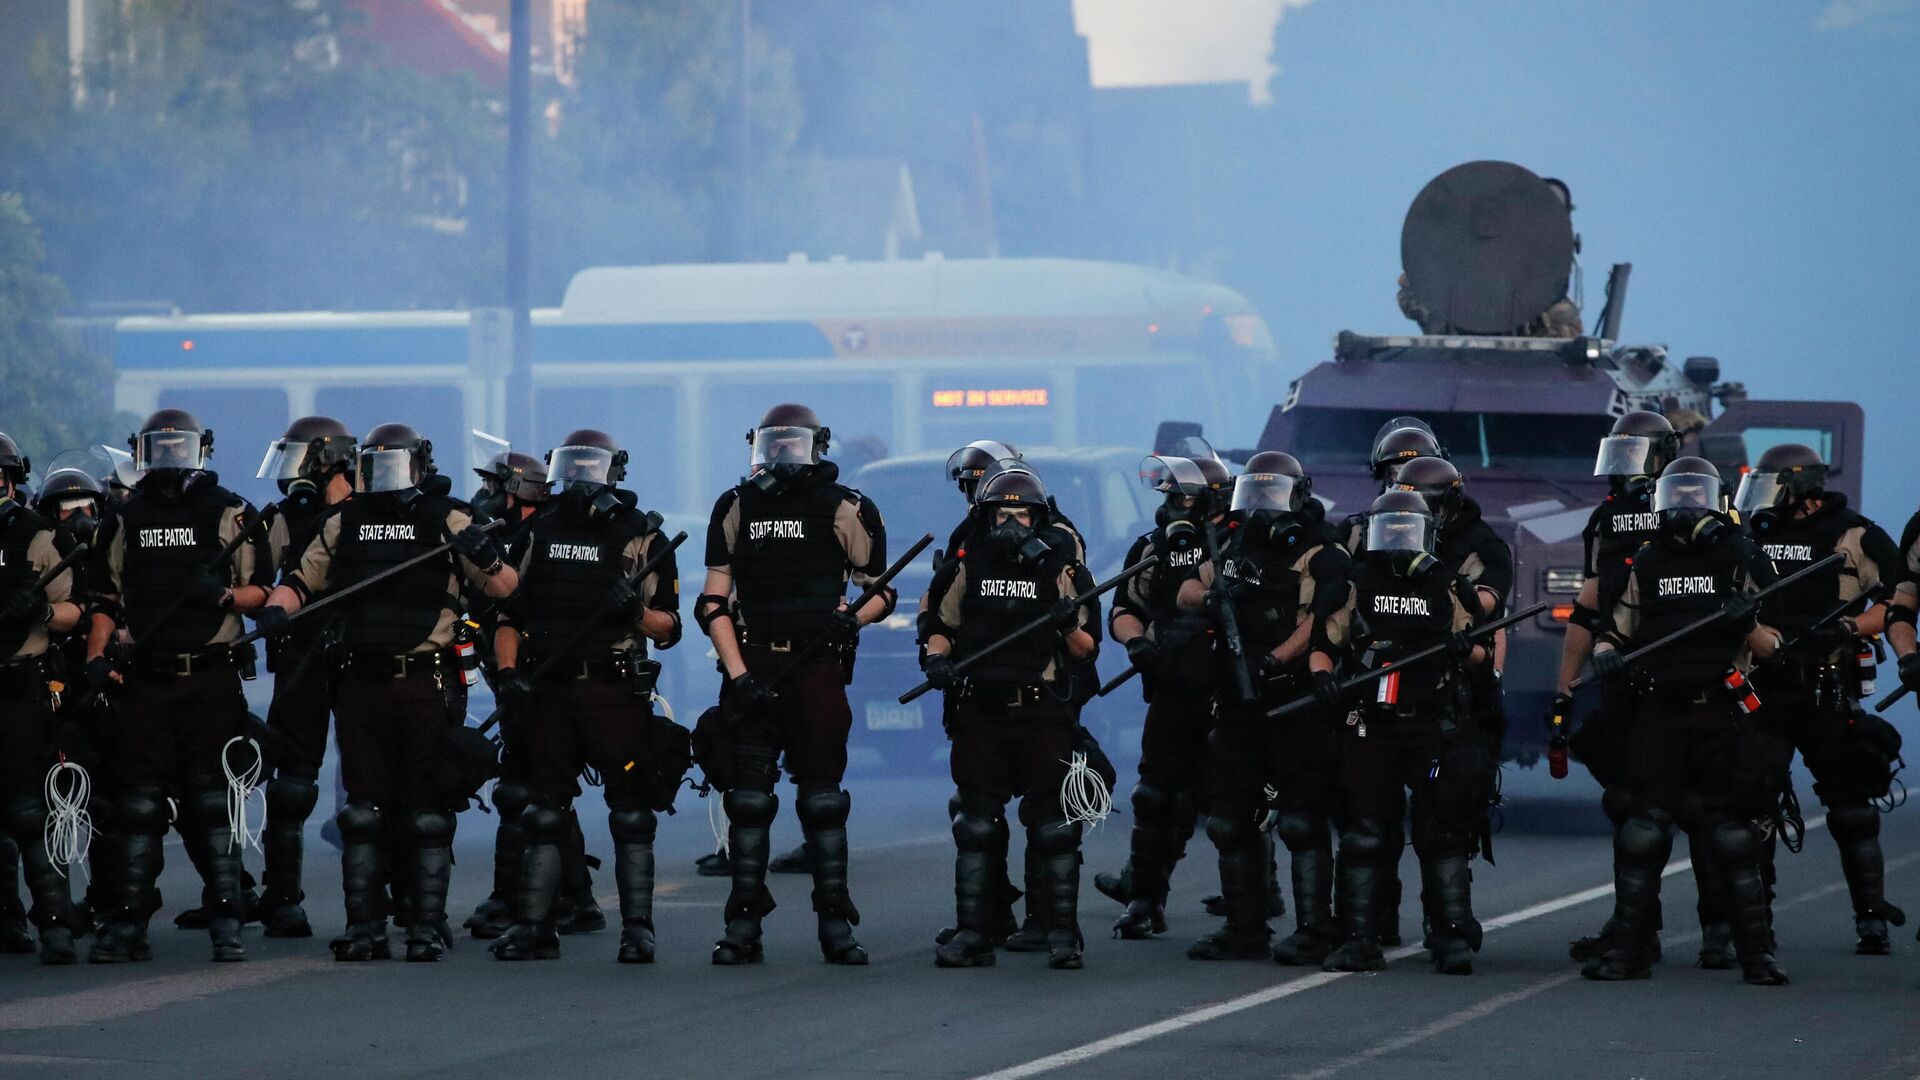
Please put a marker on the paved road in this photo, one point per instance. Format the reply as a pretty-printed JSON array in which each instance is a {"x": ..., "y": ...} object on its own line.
[{"x": 1140, "y": 1009}]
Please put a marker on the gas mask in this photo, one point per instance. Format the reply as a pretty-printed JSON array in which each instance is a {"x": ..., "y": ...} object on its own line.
[
  {"x": 1637, "y": 490},
  {"x": 1178, "y": 528},
  {"x": 301, "y": 491},
  {"x": 84, "y": 526},
  {"x": 1280, "y": 529},
  {"x": 1415, "y": 566},
  {"x": 1018, "y": 543},
  {"x": 594, "y": 502},
  {"x": 780, "y": 476}
]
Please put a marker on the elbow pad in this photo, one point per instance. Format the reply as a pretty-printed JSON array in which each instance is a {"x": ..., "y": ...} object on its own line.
[
  {"x": 674, "y": 635},
  {"x": 708, "y": 607},
  {"x": 100, "y": 605},
  {"x": 1585, "y": 618},
  {"x": 1900, "y": 613}
]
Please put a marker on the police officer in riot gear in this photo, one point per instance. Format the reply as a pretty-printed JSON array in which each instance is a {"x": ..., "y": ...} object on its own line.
[
  {"x": 399, "y": 686},
  {"x": 30, "y": 617},
  {"x": 1013, "y": 723},
  {"x": 781, "y": 550},
  {"x": 1684, "y": 733},
  {"x": 1282, "y": 576},
  {"x": 73, "y": 498},
  {"x": 968, "y": 464},
  {"x": 1630, "y": 456},
  {"x": 159, "y": 574},
  {"x": 1171, "y": 649},
  {"x": 312, "y": 464},
  {"x": 575, "y": 563},
  {"x": 1406, "y": 732},
  {"x": 1811, "y": 689}
]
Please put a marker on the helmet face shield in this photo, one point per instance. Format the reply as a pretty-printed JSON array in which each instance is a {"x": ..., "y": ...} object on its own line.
[
  {"x": 782, "y": 446},
  {"x": 1172, "y": 476},
  {"x": 1686, "y": 491},
  {"x": 168, "y": 450},
  {"x": 1264, "y": 491},
  {"x": 386, "y": 470},
  {"x": 1760, "y": 491},
  {"x": 285, "y": 460},
  {"x": 1399, "y": 530},
  {"x": 1624, "y": 455},
  {"x": 588, "y": 466}
]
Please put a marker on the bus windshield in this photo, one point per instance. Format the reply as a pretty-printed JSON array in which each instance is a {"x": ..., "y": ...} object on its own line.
[{"x": 1551, "y": 442}]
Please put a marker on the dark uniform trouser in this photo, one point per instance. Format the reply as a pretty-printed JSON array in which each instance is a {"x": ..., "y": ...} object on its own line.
[
  {"x": 1173, "y": 765},
  {"x": 1679, "y": 762},
  {"x": 1820, "y": 728},
  {"x": 1000, "y": 750},
  {"x": 298, "y": 715},
  {"x": 26, "y": 736},
  {"x": 1379, "y": 770},
  {"x": 808, "y": 724},
  {"x": 392, "y": 828},
  {"x": 170, "y": 732},
  {"x": 1299, "y": 756},
  {"x": 572, "y": 723}
]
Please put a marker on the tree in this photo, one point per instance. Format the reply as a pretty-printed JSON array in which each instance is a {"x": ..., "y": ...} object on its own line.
[{"x": 57, "y": 395}]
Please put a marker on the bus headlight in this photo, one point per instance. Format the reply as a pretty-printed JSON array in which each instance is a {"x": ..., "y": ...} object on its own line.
[{"x": 1562, "y": 580}]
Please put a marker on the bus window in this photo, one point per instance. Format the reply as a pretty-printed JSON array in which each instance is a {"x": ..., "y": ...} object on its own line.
[
  {"x": 642, "y": 417},
  {"x": 435, "y": 410},
  {"x": 243, "y": 423}
]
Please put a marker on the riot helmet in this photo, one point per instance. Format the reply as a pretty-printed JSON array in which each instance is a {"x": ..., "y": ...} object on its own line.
[
  {"x": 1640, "y": 444},
  {"x": 1184, "y": 492},
  {"x": 966, "y": 465},
  {"x": 393, "y": 457},
  {"x": 1436, "y": 481},
  {"x": 526, "y": 479},
  {"x": 587, "y": 459},
  {"x": 1401, "y": 440},
  {"x": 1785, "y": 476},
  {"x": 1014, "y": 504},
  {"x": 1273, "y": 480},
  {"x": 313, "y": 449},
  {"x": 1686, "y": 497},
  {"x": 787, "y": 445},
  {"x": 67, "y": 487},
  {"x": 14, "y": 465},
  {"x": 1399, "y": 523},
  {"x": 170, "y": 441}
]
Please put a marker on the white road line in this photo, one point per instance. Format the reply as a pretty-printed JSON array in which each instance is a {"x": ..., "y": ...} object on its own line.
[
  {"x": 1208, "y": 1013},
  {"x": 145, "y": 995}
]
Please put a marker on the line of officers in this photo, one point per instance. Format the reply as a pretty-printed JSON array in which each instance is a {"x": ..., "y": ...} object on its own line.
[{"x": 132, "y": 659}]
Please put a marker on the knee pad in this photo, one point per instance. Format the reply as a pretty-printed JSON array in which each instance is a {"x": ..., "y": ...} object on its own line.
[
  {"x": 973, "y": 832},
  {"x": 1617, "y": 804},
  {"x": 632, "y": 825},
  {"x": 1297, "y": 830},
  {"x": 1056, "y": 837},
  {"x": 1734, "y": 842},
  {"x": 26, "y": 819},
  {"x": 429, "y": 828},
  {"x": 291, "y": 798},
  {"x": 1432, "y": 840},
  {"x": 1646, "y": 838},
  {"x": 1229, "y": 831},
  {"x": 1853, "y": 821},
  {"x": 1365, "y": 839},
  {"x": 205, "y": 808},
  {"x": 142, "y": 811},
  {"x": 1153, "y": 800},
  {"x": 823, "y": 808},
  {"x": 360, "y": 823},
  {"x": 544, "y": 824},
  {"x": 511, "y": 798},
  {"x": 1038, "y": 811},
  {"x": 751, "y": 807}
]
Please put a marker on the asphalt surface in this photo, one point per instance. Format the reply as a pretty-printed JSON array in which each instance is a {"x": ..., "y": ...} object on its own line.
[{"x": 1140, "y": 1009}]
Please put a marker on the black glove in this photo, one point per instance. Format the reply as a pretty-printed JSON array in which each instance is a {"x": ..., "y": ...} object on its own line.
[
  {"x": 1739, "y": 607},
  {"x": 273, "y": 621},
  {"x": 1909, "y": 667},
  {"x": 1266, "y": 666},
  {"x": 1143, "y": 651},
  {"x": 100, "y": 675},
  {"x": 623, "y": 598},
  {"x": 478, "y": 547},
  {"x": 746, "y": 694},
  {"x": 512, "y": 689},
  {"x": 1064, "y": 615},
  {"x": 1459, "y": 645},
  {"x": 29, "y": 606},
  {"x": 204, "y": 587},
  {"x": 843, "y": 626},
  {"x": 1326, "y": 689},
  {"x": 938, "y": 668},
  {"x": 1608, "y": 662}
]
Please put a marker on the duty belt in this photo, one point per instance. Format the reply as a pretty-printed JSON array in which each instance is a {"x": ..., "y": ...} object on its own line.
[
  {"x": 182, "y": 665},
  {"x": 21, "y": 674},
  {"x": 613, "y": 666},
  {"x": 1011, "y": 697},
  {"x": 385, "y": 665},
  {"x": 786, "y": 646}
]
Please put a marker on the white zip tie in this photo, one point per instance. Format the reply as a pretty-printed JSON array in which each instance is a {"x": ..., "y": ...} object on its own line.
[
  {"x": 240, "y": 791},
  {"x": 717, "y": 821},
  {"x": 663, "y": 707},
  {"x": 69, "y": 830},
  {"x": 1083, "y": 793}
]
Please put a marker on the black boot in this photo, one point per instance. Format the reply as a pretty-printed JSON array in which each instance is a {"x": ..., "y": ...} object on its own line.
[
  {"x": 1243, "y": 888},
  {"x": 142, "y": 817},
  {"x": 1641, "y": 848},
  {"x": 1856, "y": 832},
  {"x": 823, "y": 818},
  {"x": 633, "y": 831},
  {"x": 750, "y": 815},
  {"x": 979, "y": 832},
  {"x": 1004, "y": 923},
  {"x": 52, "y": 912},
  {"x": 1315, "y": 933},
  {"x": 290, "y": 802},
  {"x": 533, "y": 936},
  {"x": 223, "y": 897},
  {"x": 1447, "y": 882},
  {"x": 583, "y": 914},
  {"x": 363, "y": 831},
  {"x": 1058, "y": 844},
  {"x": 14, "y": 937},
  {"x": 494, "y": 916},
  {"x": 1716, "y": 934},
  {"x": 1155, "y": 803},
  {"x": 431, "y": 836},
  {"x": 1031, "y": 936},
  {"x": 1363, "y": 853},
  {"x": 1388, "y": 910},
  {"x": 1736, "y": 848}
]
